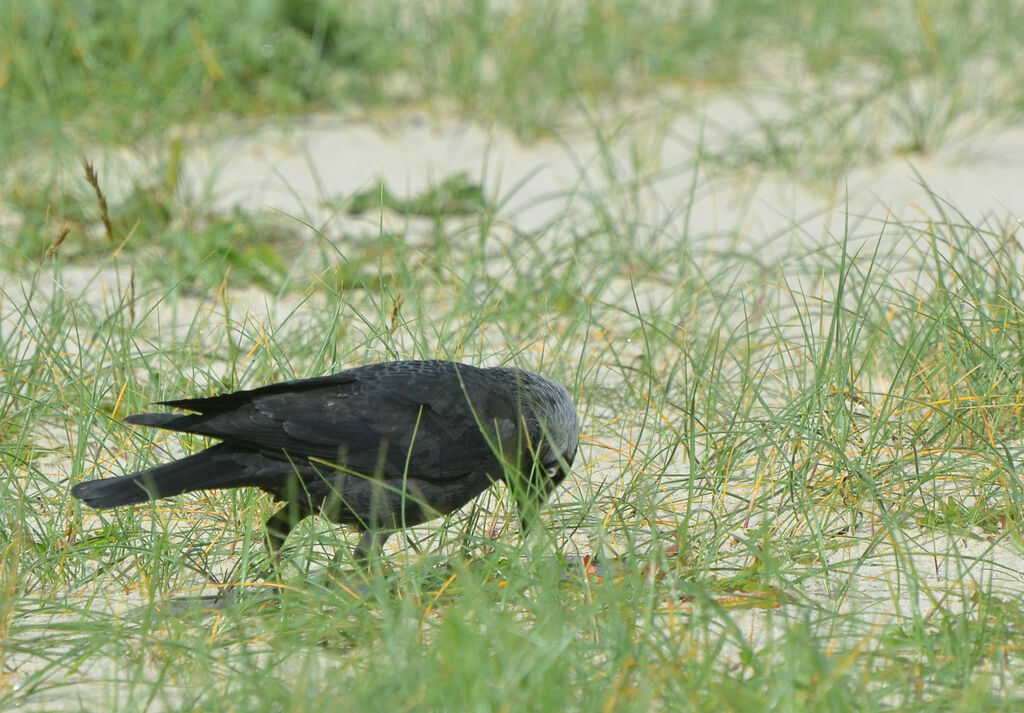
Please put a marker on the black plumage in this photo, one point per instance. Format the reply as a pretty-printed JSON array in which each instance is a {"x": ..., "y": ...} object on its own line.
[{"x": 379, "y": 447}]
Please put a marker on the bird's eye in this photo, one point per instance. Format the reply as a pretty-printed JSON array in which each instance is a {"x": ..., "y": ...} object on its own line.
[{"x": 550, "y": 462}]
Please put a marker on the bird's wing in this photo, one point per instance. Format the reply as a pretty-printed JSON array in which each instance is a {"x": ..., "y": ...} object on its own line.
[
  {"x": 226, "y": 402},
  {"x": 379, "y": 421}
]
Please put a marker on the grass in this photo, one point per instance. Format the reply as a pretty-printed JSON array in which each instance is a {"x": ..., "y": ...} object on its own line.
[
  {"x": 799, "y": 466},
  {"x": 808, "y": 497},
  {"x": 68, "y": 69},
  {"x": 847, "y": 84}
]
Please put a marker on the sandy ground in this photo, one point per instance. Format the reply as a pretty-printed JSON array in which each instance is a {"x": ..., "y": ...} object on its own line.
[
  {"x": 297, "y": 169},
  {"x": 302, "y": 169}
]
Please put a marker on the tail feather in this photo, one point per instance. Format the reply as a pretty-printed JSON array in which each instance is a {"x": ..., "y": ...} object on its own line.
[
  {"x": 204, "y": 470},
  {"x": 170, "y": 421}
]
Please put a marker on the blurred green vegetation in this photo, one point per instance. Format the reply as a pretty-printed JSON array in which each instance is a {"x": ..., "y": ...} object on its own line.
[{"x": 127, "y": 69}]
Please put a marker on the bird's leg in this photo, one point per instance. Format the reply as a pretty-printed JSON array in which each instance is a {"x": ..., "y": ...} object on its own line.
[
  {"x": 369, "y": 549},
  {"x": 370, "y": 545},
  {"x": 278, "y": 526},
  {"x": 367, "y": 556}
]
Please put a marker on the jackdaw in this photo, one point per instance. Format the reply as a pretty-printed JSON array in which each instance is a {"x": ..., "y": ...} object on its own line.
[{"x": 380, "y": 447}]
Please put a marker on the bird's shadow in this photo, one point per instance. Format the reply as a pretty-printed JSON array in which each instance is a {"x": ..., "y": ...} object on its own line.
[{"x": 335, "y": 585}]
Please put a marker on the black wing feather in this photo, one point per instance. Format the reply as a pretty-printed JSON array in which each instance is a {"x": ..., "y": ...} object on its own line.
[
  {"x": 234, "y": 399},
  {"x": 355, "y": 417}
]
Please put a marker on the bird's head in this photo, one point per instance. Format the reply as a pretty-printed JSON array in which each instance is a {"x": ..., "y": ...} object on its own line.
[{"x": 551, "y": 425}]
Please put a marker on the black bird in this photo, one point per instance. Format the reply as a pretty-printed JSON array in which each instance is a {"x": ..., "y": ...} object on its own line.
[{"x": 380, "y": 447}]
